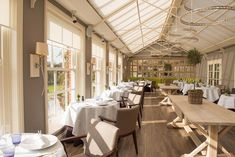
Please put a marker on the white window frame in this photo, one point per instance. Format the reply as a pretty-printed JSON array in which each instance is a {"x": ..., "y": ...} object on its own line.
[
  {"x": 214, "y": 77},
  {"x": 101, "y": 69},
  {"x": 120, "y": 68},
  {"x": 80, "y": 66},
  {"x": 112, "y": 69}
]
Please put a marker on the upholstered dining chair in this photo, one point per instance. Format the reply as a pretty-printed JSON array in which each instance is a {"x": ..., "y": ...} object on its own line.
[
  {"x": 140, "y": 91},
  {"x": 126, "y": 122},
  {"x": 101, "y": 140},
  {"x": 133, "y": 100}
]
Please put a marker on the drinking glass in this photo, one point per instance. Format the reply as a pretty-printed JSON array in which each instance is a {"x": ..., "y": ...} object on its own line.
[
  {"x": 16, "y": 138},
  {"x": 8, "y": 151}
]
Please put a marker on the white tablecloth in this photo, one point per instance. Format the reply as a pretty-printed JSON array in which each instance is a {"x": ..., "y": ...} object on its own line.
[
  {"x": 57, "y": 150},
  {"x": 126, "y": 85},
  {"x": 115, "y": 93},
  {"x": 227, "y": 101},
  {"x": 78, "y": 115},
  {"x": 210, "y": 93},
  {"x": 187, "y": 87}
]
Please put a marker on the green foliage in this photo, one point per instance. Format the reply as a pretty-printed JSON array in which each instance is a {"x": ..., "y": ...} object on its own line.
[{"x": 194, "y": 56}]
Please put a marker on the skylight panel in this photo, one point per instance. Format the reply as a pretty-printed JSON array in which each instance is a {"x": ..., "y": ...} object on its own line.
[
  {"x": 137, "y": 48},
  {"x": 163, "y": 4},
  {"x": 109, "y": 6},
  {"x": 126, "y": 17},
  {"x": 122, "y": 12},
  {"x": 128, "y": 24},
  {"x": 136, "y": 42},
  {"x": 157, "y": 21},
  {"x": 134, "y": 29},
  {"x": 134, "y": 38},
  {"x": 130, "y": 34}
]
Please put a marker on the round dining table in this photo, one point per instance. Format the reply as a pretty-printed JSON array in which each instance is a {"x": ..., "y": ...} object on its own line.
[{"x": 79, "y": 114}]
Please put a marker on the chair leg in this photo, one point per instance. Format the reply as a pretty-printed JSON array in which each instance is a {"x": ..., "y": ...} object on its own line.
[
  {"x": 141, "y": 111},
  {"x": 117, "y": 147},
  {"x": 135, "y": 141},
  {"x": 139, "y": 121}
]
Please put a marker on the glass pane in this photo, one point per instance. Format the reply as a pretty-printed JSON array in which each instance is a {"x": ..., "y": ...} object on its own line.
[
  {"x": 67, "y": 37},
  {"x": 57, "y": 57},
  {"x": 55, "y": 32},
  {"x": 76, "y": 41},
  {"x": 60, "y": 82},
  {"x": 67, "y": 59},
  {"x": 61, "y": 101},
  {"x": 71, "y": 80},
  {"x": 50, "y": 82},
  {"x": 49, "y": 57},
  {"x": 5, "y": 12}
]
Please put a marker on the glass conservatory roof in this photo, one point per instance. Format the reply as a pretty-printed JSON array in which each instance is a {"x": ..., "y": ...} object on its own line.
[{"x": 136, "y": 22}]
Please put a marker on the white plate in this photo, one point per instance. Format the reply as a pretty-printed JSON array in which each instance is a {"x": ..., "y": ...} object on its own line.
[{"x": 37, "y": 142}]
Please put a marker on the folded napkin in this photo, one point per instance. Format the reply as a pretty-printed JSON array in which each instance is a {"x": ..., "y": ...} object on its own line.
[{"x": 34, "y": 142}]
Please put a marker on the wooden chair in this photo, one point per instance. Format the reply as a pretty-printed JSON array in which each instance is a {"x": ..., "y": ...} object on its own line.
[
  {"x": 222, "y": 88},
  {"x": 101, "y": 140},
  {"x": 126, "y": 122},
  {"x": 233, "y": 91}
]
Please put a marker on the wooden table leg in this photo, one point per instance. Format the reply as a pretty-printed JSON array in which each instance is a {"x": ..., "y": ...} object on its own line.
[{"x": 212, "y": 141}]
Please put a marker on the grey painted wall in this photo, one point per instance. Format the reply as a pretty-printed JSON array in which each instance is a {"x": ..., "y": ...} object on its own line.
[
  {"x": 228, "y": 59},
  {"x": 34, "y": 102},
  {"x": 107, "y": 63},
  {"x": 88, "y": 55}
]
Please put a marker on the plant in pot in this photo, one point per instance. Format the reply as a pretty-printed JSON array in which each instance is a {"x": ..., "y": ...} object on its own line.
[
  {"x": 194, "y": 95},
  {"x": 167, "y": 69}
]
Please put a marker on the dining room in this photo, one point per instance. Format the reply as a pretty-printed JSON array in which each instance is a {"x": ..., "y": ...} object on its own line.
[{"x": 147, "y": 78}]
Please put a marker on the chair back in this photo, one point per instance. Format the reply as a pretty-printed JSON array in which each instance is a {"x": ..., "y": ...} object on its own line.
[
  {"x": 233, "y": 91},
  {"x": 136, "y": 88},
  {"x": 222, "y": 88},
  {"x": 101, "y": 139},
  {"x": 134, "y": 99},
  {"x": 126, "y": 120},
  {"x": 140, "y": 89}
]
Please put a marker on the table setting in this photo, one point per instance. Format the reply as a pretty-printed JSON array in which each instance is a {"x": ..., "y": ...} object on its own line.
[
  {"x": 30, "y": 145},
  {"x": 79, "y": 114}
]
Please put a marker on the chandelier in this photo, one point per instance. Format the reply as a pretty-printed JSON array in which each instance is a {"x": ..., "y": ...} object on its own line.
[
  {"x": 226, "y": 9},
  {"x": 202, "y": 10}
]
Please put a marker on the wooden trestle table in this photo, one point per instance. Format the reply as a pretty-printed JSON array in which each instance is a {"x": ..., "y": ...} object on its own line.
[{"x": 210, "y": 119}]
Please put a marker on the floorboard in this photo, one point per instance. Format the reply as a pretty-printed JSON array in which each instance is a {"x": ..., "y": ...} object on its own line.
[{"x": 155, "y": 139}]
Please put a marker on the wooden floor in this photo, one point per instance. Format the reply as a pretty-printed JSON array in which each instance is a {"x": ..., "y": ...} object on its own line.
[{"x": 155, "y": 139}]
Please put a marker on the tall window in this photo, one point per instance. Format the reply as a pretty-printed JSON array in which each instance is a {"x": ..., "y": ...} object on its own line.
[
  {"x": 10, "y": 66},
  {"x": 112, "y": 67},
  {"x": 64, "y": 46},
  {"x": 98, "y": 68},
  {"x": 214, "y": 72},
  {"x": 120, "y": 68}
]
